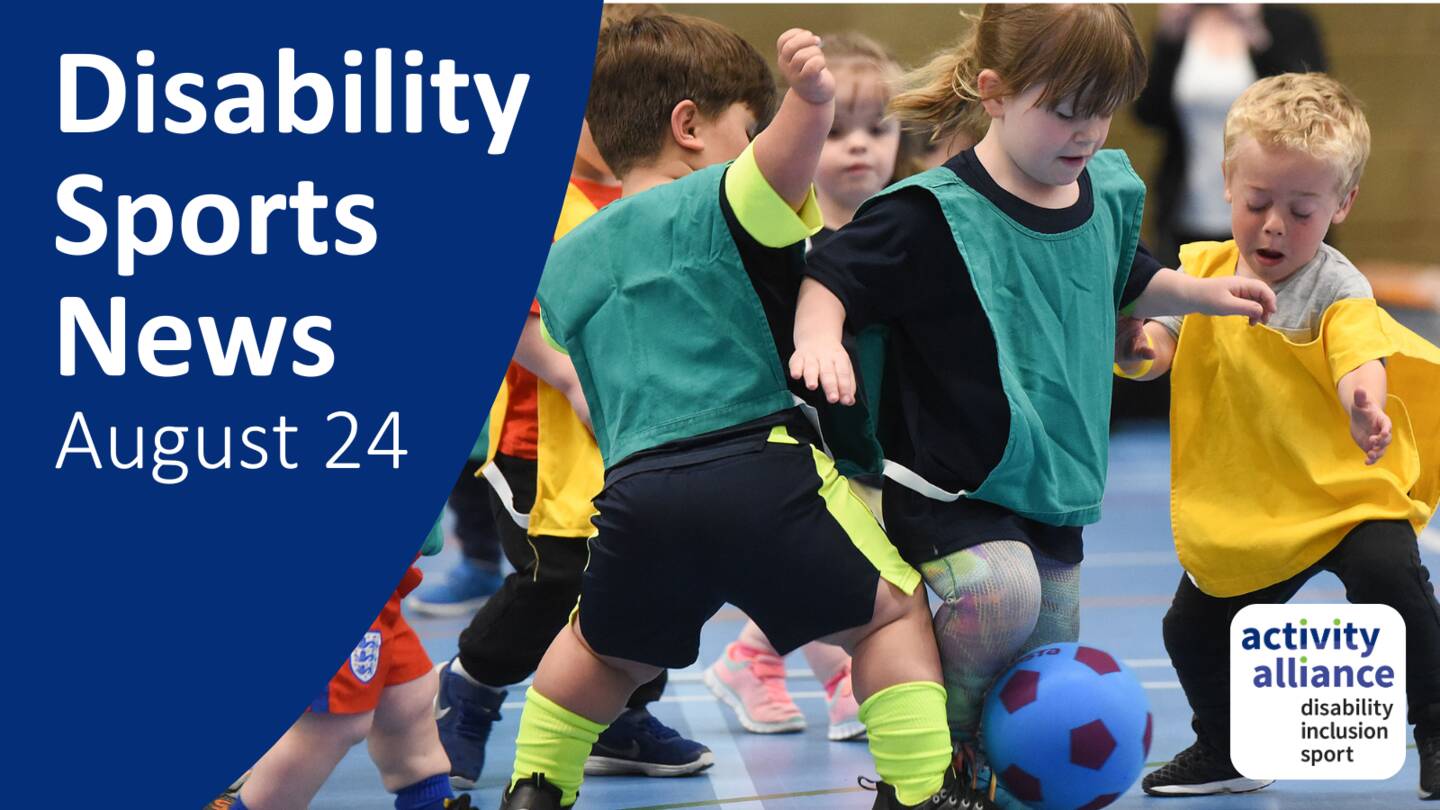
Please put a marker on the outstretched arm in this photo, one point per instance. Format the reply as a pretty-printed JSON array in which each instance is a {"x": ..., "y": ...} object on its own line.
[
  {"x": 819, "y": 357},
  {"x": 537, "y": 357},
  {"x": 788, "y": 151},
  {"x": 1175, "y": 293},
  {"x": 1363, "y": 394}
]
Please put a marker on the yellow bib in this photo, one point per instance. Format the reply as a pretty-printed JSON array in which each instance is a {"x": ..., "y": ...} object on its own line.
[
  {"x": 1265, "y": 479},
  {"x": 570, "y": 472}
]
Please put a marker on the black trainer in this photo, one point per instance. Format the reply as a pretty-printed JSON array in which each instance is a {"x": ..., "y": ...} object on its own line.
[
  {"x": 1429, "y": 766},
  {"x": 1199, "y": 771},
  {"x": 461, "y": 803},
  {"x": 532, "y": 794},
  {"x": 951, "y": 796}
]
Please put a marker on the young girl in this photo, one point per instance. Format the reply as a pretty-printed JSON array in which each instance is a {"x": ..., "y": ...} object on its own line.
[
  {"x": 862, "y": 154},
  {"x": 1000, "y": 275}
]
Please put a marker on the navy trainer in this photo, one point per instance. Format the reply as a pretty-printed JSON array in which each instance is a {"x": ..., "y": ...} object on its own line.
[
  {"x": 638, "y": 743},
  {"x": 465, "y": 711}
]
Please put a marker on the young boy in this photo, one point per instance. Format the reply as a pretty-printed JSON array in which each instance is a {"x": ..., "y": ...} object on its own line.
[
  {"x": 543, "y": 472},
  {"x": 1298, "y": 414},
  {"x": 383, "y": 695},
  {"x": 674, "y": 305}
]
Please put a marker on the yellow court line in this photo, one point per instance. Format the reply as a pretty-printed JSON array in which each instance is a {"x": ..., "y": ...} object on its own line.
[
  {"x": 803, "y": 793},
  {"x": 744, "y": 799}
]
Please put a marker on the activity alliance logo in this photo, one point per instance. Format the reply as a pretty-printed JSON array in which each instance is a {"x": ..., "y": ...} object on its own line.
[{"x": 1317, "y": 691}]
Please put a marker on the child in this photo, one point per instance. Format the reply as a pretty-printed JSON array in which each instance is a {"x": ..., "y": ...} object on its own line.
[
  {"x": 672, "y": 303},
  {"x": 1254, "y": 416},
  {"x": 544, "y": 470},
  {"x": 463, "y": 588},
  {"x": 861, "y": 155},
  {"x": 1000, "y": 274},
  {"x": 382, "y": 695}
]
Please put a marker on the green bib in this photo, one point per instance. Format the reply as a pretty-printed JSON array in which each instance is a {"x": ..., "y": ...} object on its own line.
[
  {"x": 654, "y": 306},
  {"x": 1051, "y": 300}
]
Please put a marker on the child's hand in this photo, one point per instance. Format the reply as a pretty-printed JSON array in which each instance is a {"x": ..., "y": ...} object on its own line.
[
  {"x": 1132, "y": 347},
  {"x": 802, "y": 64},
  {"x": 1369, "y": 426},
  {"x": 828, "y": 365},
  {"x": 1236, "y": 295}
]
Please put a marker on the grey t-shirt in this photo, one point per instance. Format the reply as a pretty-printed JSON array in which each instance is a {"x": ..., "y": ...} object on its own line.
[{"x": 1301, "y": 299}]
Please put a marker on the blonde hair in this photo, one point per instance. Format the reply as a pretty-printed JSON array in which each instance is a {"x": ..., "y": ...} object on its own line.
[
  {"x": 853, "y": 53},
  {"x": 1088, "y": 53},
  {"x": 1309, "y": 113}
]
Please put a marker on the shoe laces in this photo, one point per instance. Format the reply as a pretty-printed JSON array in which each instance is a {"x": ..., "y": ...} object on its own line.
[
  {"x": 651, "y": 725},
  {"x": 472, "y": 723},
  {"x": 1198, "y": 760},
  {"x": 944, "y": 798},
  {"x": 968, "y": 766},
  {"x": 769, "y": 670},
  {"x": 1429, "y": 749}
]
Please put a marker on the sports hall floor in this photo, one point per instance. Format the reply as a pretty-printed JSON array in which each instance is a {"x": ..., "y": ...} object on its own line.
[{"x": 1129, "y": 575}]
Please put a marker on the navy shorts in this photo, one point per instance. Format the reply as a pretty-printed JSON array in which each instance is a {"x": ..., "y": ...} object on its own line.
[{"x": 768, "y": 526}]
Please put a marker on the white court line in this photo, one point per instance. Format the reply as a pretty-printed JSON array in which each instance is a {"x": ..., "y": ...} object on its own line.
[
  {"x": 1123, "y": 559},
  {"x": 1430, "y": 539},
  {"x": 805, "y": 673},
  {"x": 820, "y": 695},
  {"x": 729, "y": 776},
  {"x": 1139, "y": 481}
]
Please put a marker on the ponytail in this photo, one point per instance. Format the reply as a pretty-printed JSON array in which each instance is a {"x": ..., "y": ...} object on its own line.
[
  {"x": 941, "y": 97},
  {"x": 1086, "y": 52}
]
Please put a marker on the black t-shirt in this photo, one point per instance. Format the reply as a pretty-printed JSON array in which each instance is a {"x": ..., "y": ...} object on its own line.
[{"x": 943, "y": 411}]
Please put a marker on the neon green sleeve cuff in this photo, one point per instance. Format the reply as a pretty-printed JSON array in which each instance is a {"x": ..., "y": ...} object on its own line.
[
  {"x": 545, "y": 333},
  {"x": 764, "y": 214}
]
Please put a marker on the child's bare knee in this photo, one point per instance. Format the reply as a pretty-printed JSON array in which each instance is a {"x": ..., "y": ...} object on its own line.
[
  {"x": 405, "y": 706},
  {"x": 891, "y": 605},
  {"x": 347, "y": 730}
]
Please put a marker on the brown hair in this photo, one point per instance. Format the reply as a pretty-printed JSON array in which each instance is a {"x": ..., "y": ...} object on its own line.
[
  {"x": 612, "y": 13},
  {"x": 1309, "y": 113},
  {"x": 646, "y": 65},
  {"x": 1086, "y": 52}
]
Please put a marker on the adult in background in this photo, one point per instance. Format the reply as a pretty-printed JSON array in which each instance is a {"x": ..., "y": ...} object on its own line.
[{"x": 1202, "y": 59}]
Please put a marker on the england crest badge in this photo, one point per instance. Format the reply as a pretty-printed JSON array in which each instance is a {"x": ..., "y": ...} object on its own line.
[{"x": 365, "y": 659}]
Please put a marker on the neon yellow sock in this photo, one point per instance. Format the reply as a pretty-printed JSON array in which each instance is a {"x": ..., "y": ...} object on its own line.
[
  {"x": 909, "y": 739},
  {"x": 554, "y": 741}
]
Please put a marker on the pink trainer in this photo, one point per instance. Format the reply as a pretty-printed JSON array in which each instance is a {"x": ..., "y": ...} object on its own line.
[
  {"x": 844, "y": 711},
  {"x": 754, "y": 686}
]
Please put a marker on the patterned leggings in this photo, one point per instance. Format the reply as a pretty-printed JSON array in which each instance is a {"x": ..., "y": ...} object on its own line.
[{"x": 1001, "y": 600}]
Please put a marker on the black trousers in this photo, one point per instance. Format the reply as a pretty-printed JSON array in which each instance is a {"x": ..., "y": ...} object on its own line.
[
  {"x": 474, "y": 517},
  {"x": 1378, "y": 562},
  {"x": 506, "y": 639}
]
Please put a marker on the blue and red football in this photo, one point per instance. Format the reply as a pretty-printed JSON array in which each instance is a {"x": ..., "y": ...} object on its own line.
[{"x": 1067, "y": 728}]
